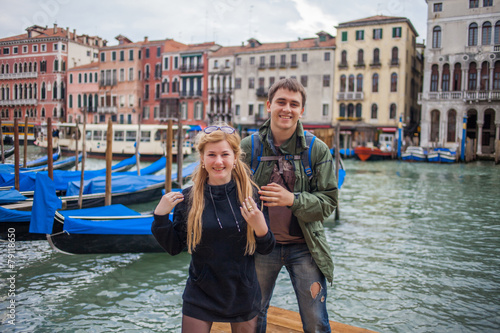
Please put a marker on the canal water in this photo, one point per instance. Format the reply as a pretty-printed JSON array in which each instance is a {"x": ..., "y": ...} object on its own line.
[{"x": 416, "y": 249}]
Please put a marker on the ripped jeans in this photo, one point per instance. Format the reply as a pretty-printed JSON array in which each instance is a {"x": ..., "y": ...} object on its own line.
[{"x": 308, "y": 283}]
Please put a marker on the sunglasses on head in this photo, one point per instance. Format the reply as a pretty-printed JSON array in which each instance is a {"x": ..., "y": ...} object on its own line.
[{"x": 225, "y": 129}]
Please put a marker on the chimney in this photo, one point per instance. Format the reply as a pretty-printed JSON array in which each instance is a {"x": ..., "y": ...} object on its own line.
[
  {"x": 145, "y": 39},
  {"x": 67, "y": 33},
  {"x": 74, "y": 34},
  {"x": 55, "y": 28}
]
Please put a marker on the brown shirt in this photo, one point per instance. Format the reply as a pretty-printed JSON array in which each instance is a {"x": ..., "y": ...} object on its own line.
[{"x": 283, "y": 223}]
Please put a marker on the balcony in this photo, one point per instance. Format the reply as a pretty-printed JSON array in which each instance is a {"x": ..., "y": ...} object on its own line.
[
  {"x": 107, "y": 83},
  {"x": 11, "y": 76},
  {"x": 261, "y": 92},
  {"x": 350, "y": 96},
  {"x": 376, "y": 64},
  {"x": 18, "y": 102},
  {"x": 283, "y": 65},
  {"x": 191, "y": 68},
  {"x": 190, "y": 94},
  {"x": 343, "y": 65},
  {"x": 262, "y": 66},
  {"x": 349, "y": 119},
  {"x": 107, "y": 109},
  {"x": 272, "y": 65},
  {"x": 466, "y": 96},
  {"x": 294, "y": 64},
  {"x": 394, "y": 63},
  {"x": 359, "y": 65}
]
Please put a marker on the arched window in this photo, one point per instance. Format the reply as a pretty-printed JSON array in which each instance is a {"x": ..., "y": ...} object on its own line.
[
  {"x": 392, "y": 111},
  {"x": 486, "y": 34},
  {"x": 394, "y": 82},
  {"x": 496, "y": 37},
  {"x": 63, "y": 90},
  {"x": 375, "y": 82},
  {"x": 359, "y": 83},
  {"x": 496, "y": 76},
  {"x": 15, "y": 91},
  {"x": 15, "y": 68},
  {"x": 358, "y": 110},
  {"x": 42, "y": 114},
  {"x": 445, "y": 82},
  {"x": 350, "y": 110},
  {"x": 434, "y": 126},
  {"x": 343, "y": 57},
  {"x": 35, "y": 91},
  {"x": 376, "y": 56},
  {"x": 351, "y": 83},
  {"x": 342, "y": 110},
  {"x": 472, "y": 77},
  {"x": 374, "y": 111},
  {"x": 434, "y": 78},
  {"x": 473, "y": 34},
  {"x": 484, "y": 82},
  {"x": 451, "y": 133},
  {"x": 43, "y": 91},
  {"x": 54, "y": 112},
  {"x": 361, "y": 54},
  {"x": 394, "y": 56},
  {"x": 457, "y": 77},
  {"x": 436, "y": 37},
  {"x": 54, "y": 90},
  {"x": 342, "y": 83},
  {"x": 56, "y": 65}
]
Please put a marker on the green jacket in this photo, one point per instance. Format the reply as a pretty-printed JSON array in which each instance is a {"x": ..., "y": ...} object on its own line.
[{"x": 318, "y": 196}]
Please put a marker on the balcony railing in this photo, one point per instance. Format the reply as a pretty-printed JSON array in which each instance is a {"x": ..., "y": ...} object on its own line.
[
  {"x": 191, "y": 68},
  {"x": 350, "y": 96},
  {"x": 26, "y": 75},
  {"x": 191, "y": 93},
  {"x": 107, "y": 82},
  {"x": 15, "y": 102},
  {"x": 107, "y": 109},
  {"x": 466, "y": 96},
  {"x": 261, "y": 92},
  {"x": 349, "y": 119}
]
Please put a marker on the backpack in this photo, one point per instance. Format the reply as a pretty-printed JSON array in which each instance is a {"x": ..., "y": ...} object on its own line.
[{"x": 306, "y": 158}]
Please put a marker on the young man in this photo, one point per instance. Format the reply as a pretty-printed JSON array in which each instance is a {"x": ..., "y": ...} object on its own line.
[{"x": 298, "y": 203}]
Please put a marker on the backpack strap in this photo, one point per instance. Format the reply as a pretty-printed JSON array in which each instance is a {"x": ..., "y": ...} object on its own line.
[
  {"x": 306, "y": 158},
  {"x": 256, "y": 152}
]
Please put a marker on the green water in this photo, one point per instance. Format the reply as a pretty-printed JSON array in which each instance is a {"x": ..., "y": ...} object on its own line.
[{"x": 416, "y": 249}]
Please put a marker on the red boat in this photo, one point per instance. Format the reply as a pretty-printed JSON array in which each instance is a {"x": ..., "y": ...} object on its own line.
[{"x": 372, "y": 154}]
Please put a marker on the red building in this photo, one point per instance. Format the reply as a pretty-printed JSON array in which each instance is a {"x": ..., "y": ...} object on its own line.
[{"x": 33, "y": 71}]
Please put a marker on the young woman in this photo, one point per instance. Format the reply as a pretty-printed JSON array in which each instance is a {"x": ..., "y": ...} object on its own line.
[{"x": 219, "y": 221}]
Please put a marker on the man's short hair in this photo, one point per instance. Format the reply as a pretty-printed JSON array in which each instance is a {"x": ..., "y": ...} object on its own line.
[{"x": 288, "y": 84}]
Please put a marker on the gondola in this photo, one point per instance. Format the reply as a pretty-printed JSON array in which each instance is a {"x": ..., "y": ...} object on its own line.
[{"x": 9, "y": 152}]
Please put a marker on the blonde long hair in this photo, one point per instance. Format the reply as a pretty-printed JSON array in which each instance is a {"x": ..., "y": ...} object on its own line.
[{"x": 240, "y": 174}]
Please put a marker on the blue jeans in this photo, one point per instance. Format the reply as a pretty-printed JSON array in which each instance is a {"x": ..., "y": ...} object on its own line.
[{"x": 308, "y": 283}]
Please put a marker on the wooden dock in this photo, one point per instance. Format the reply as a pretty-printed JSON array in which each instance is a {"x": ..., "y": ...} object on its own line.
[{"x": 280, "y": 321}]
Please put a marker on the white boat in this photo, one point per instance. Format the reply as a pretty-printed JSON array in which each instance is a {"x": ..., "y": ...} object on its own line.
[
  {"x": 414, "y": 154},
  {"x": 152, "y": 139},
  {"x": 443, "y": 155}
]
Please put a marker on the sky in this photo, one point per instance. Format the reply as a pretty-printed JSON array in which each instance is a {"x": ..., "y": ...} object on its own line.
[{"x": 226, "y": 22}]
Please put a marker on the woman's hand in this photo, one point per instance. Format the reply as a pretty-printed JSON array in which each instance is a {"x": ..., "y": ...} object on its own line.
[
  {"x": 254, "y": 217},
  {"x": 168, "y": 202}
]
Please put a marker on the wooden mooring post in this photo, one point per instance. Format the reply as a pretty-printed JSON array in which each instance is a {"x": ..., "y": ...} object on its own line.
[
  {"x": 337, "y": 163},
  {"x": 168, "y": 166},
  {"x": 497, "y": 151},
  {"x": 16, "y": 154},
  {"x": 109, "y": 159},
  {"x": 25, "y": 161}
]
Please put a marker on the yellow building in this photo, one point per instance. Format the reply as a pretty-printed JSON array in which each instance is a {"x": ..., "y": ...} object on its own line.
[{"x": 377, "y": 79}]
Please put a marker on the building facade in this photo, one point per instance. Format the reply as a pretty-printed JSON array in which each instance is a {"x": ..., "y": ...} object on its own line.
[
  {"x": 259, "y": 65},
  {"x": 33, "y": 71},
  {"x": 462, "y": 74},
  {"x": 377, "y": 79}
]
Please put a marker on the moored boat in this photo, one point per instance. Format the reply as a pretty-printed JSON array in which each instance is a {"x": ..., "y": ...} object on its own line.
[
  {"x": 371, "y": 154},
  {"x": 442, "y": 155},
  {"x": 414, "y": 154}
]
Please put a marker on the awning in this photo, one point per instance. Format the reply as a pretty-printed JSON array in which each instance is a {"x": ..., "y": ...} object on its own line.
[
  {"x": 387, "y": 129},
  {"x": 195, "y": 128},
  {"x": 315, "y": 126}
]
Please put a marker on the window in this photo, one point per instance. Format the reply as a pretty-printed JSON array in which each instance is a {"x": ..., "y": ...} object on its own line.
[
  {"x": 15, "y": 50},
  {"x": 158, "y": 51},
  {"x": 250, "y": 109},
  {"x": 237, "y": 83},
  {"x": 374, "y": 111},
  {"x": 445, "y": 82},
  {"x": 122, "y": 74},
  {"x": 377, "y": 34},
  {"x": 375, "y": 82},
  {"x": 472, "y": 76},
  {"x": 457, "y": 77},
  {"x": 327, "y": 56},
  {"x": 376, "y": 56},
  {"x": 473, "y": 34},
  {"x": 392, "y": 111},
  {"x": 351, "y": 83},
  {"x": 252, "y": 60},
  {"x": 131, "y": 55},
  {"x": 79, "y": 77},
  {"x": 473, "y": 3},
  {"x": 238, "y": 61},
  {"x": 35, "y": 48},
  {"x": 43, "y": 48},
  {"x": 6, "y": 50},
  {"x": 487, "y": 3},
  {"x": 237, "y": 110},
  {"x": 394, "y": 82},
  {"x": 361, "y": 60},
  {"x": 496, "y": 39},
  {"x": 436, "y": 37},
  {"x": 395, "y": 56},
  {"x": 283, "y": 60},
  {"x": 294, "y": 60},
  {"x": 103, "y": 56},
  {"x": 303, "y": 80},
  {"x": 359, "y": 83},
  {"x": 438, "y": 7},
  {"x": 131, "y": 74},
  {"x": 484, "y": 83},
  {"x": 342, "y": 110},
  {"x": 358, "y": 110},
  {"x": 25, "y": 49},
  {"x": 434, "y": 126},
  {"x": 434, "y": 78},
  {"x": 344, "y": 36},
  {"x": 113, "y": 56},
  {"x": 342, "y": 83},
  {"x": 147, "y": 53},
  {"x": 360, "y": 34},
  {"x": 122, "y": 55},
  {"x": 486, "y": 34},
  {"x": 198, "y": 111},
  {"x": 304, "y": 55},
  {"x": 262, "y": 62},
  {"x": 396, "y": 32},
  {"x": 71, "y": 78},
  {"x": 343, "y": 58},
  {"x": 326, "y": 110},
  {"x": 496, "y": 76},
  {"x": 251, "y": 83},
  {"x": 326, "y": 80}
]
